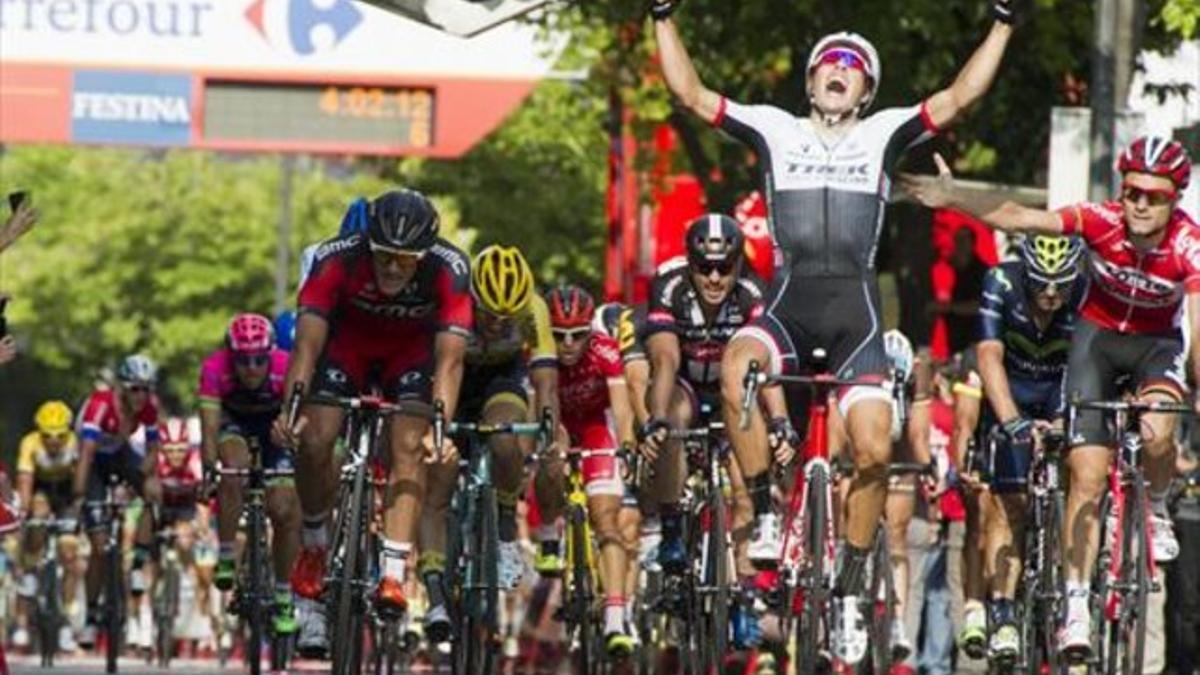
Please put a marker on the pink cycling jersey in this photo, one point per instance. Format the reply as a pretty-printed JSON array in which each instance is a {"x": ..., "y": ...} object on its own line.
[
  {"x": 1132, "y": 291},
  {"x": 219, "y": 384}
]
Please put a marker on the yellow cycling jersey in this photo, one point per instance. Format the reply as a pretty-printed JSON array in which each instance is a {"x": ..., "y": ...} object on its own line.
[
  {"x": 528, "y": 335},
  {"x": 33, "y": 457}
]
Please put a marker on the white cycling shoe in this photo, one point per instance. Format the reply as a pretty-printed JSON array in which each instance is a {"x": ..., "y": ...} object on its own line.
[
  {"x": 766, "y": 544},
  {"x": 849, "y": 636}
]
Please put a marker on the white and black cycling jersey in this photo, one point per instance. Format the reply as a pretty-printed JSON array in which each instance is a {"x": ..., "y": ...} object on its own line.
[{"x": 825, "y": 198}]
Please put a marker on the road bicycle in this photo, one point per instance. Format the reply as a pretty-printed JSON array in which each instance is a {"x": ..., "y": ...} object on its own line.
[
  {"x": 111, "y": 511},
  {"x": 49, "y": 615}
]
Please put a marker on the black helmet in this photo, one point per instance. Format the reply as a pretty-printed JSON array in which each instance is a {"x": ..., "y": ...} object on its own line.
[
  {"x": 403, "y": 220},
  {"x": 714, "y": 238}
]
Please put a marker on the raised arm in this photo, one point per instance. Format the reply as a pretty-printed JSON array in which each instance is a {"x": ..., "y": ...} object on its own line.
[
  {"x": 994, "y": 209},
  {"x": 973, "y": 81},
  {"x": 680, "y": 74}
]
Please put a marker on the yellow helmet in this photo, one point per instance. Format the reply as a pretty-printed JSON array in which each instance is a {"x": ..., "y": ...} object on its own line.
[
  {"x": 1051, "y": 258},
  {"x": 53, "y": 418},
  {"x": 501, "y": 280}
]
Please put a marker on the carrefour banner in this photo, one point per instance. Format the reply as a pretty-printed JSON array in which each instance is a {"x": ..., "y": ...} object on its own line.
[{"x": 303, "y": 36}]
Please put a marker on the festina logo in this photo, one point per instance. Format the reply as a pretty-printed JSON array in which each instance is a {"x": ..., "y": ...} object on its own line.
[{"x": 131, "y": 108}]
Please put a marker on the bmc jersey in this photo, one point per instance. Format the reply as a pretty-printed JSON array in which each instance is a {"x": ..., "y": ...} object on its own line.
[
  {"x": 675, "y": 306},
  {"x": 103, "y": 422},
  {"x": 826, "y": 198},
  {"x": 1030, "y": 353},
  {"x": 1134, "y": 291},
  {"x": 341, "y": 288},
  {"x": 583, "y": 387},
  {"x": 219, "y": 386}
]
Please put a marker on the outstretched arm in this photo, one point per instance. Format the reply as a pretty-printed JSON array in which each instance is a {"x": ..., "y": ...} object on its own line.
[
  {"x": 680, "y": 73},
  {"x": 975, "y": 78},
  {"x": 995, "y": 210}
]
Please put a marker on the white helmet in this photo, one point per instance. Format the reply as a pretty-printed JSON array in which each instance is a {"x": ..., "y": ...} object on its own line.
[
  {"x": 857, "y": 44},
  {"x": 899, "y": 352},
  {"x": 137, "y": 369}
]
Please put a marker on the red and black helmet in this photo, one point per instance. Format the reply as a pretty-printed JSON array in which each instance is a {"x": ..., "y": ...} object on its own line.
[
  {"x": 570, "y": 306},
  {"x": 1157, "y": 156}
]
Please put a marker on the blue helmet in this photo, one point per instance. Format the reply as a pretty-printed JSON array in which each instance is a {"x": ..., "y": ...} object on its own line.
[
  {"x": 285, "y": 329},
  {"x": 355, "y": 220}
]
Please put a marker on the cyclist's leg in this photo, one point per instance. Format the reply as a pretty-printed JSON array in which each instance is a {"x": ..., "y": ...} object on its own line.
[
  {"x": 283, "y": 510},
  {"x": 899, "y": 509},
  {"x": 1090, "y": 370},
  {"x": 505, "y": 403},
  {"x": 1004, "y": 533},
  {"x": 750, "y": 446},
  {"x": 670, "y": 472},
  {"x": 1162, "y": 378},
  {"x": 868, "y": 423},
  {"x": 234, "y": 454},
  {"x": 605, "y": 489}
]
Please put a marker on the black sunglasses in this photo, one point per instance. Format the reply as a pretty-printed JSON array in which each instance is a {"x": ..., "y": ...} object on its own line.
[
  {"x": 251, "y": 360},
  {"x": 707, "y": 267}
]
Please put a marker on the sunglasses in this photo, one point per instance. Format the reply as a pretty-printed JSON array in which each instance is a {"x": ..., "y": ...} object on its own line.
[
  {"x": 1134, "y": 195},
  {"x": 576, "y": 334},
  {"x": 59, "y": 436},
  {"x": 721, "y": 267},
  {"x": 137, "y": 388},
  {"x": 844, "y": 58},
  {"x": 383, "y": 256},
  {"x": 251, "y": 360}
]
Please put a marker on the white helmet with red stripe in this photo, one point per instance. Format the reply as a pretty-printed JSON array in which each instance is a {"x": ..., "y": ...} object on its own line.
[
  {"x": 176, "y": 434},
  {"x": 857, "y": 44},
  {"x": 1157, "y": 156}
]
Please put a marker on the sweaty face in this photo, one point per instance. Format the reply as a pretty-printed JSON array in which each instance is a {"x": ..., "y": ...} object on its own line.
[
  {"x": 176, "y": 454},
  {"x": 136, "y": 395},
  {"x": 393, "y": 271},
  {"x": 492, "y": 326},
  {"x": 1148, "y": 201},
  {"x": 251, "y": 369},
  {"x": 714, "y": 287},
  {"x": 54, "y": 443},
  {"x": 836, "y": 89}
]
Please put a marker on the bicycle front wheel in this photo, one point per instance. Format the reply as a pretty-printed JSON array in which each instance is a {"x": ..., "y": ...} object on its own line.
[
  {"x": 717, "y": 582},
  {"x": 816, "y": 592},
  {"x": 348, "y": 619},
  {"x": 114, "y": 602},
  {"x": 49, "y": 612},
  {"x": 883, "y": 605}
]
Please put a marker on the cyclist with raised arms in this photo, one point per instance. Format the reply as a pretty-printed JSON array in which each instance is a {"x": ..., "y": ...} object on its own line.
[
  {"x": 511, "y": 344},
  {"x": 1144, "y": 264},
  {"x": 390, "y": 307},
  {"x": 697, "y": 303},
  {"x": 828, "y": 177},
  {"x": 241, "y": 393},
  {"x": 1027, "y": 315},
  {"x": 596, "y": 415},
  {"x": 111, "y": 417}
]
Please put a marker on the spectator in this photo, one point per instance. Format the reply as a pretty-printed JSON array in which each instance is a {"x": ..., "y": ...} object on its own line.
[
  {"x": 8, "y": 349},
  {"x": 1183, "y": 587},
  {"x": 961, "y": 311},
  {"x": 20, "y": 222}
]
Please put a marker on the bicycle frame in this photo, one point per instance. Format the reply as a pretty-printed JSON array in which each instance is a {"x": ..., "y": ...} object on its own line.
[{"x": 48, "y": 606}]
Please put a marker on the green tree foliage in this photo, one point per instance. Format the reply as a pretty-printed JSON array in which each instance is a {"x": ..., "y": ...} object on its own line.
[
  {"x": 1181, "y": 17},
  {"x": 151, "y": 252}
]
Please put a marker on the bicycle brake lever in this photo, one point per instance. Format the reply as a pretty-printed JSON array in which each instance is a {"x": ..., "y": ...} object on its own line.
[{"x": 749, "y": 394}]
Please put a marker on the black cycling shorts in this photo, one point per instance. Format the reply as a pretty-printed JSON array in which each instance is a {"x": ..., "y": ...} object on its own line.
[
  {"x": 483, "y": 383},
  {"x": 123, "y": 463},
  {"x": 258, "y": 427},
  {"x": 1099, "y": 358}
]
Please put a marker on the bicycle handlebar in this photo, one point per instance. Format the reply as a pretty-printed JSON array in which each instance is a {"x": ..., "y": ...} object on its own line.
[
  {"x": 515, "y": 428},
  {"x": 266, "y": 473},
  {"x": 58, "y": 525},
  {"x": 696, "y": 432},
  {"x": 915, "y": 468},
  {"x": 375, "y": 404},
  {"x": 1135, "y": 407}
]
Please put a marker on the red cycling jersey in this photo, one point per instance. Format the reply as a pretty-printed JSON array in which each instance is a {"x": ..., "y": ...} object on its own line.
[
  {"x": 370, "y": 329},
  {"x": 583, "y": 387},
  {"x": 103, "y": 423},
  {"x": 1132, "y": 291},
  {"x": 180, "y": 483}
]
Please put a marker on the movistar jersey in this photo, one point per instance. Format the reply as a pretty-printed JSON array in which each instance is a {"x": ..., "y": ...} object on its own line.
[{"x": 1030, "y": 354}]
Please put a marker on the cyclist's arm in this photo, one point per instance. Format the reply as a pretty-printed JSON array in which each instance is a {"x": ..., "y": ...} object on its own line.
[
  {"x": 618, "y": 398},
  {"x": 1006, "y": 215},
  {"x": 637, "y": 373},
  {"x": 545, "y": 389},
  {"x": 773, "y": 401},
  {"x": 995, "y": 380},
  {"x": 967, "y": 402},
  {"x": 25, "y": 488},
  {"x": 87, "y": 451},
  {"x": 663, "y": 348},
  {"x": 210, "y": 428},
  {"x": 680, "y": 73},
  {"x": 920, "y": 415},
  {"x": 448, "y": 351},
  {"x": 311, "y": 332},
  {"x": 973, "y": 81}
]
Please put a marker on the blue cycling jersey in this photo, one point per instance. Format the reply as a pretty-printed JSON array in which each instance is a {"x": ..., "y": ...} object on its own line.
[{"x": 1035, "y": 359}]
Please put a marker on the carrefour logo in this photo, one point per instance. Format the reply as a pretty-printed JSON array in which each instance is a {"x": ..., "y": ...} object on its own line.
[{"x": 303, "y": 27}]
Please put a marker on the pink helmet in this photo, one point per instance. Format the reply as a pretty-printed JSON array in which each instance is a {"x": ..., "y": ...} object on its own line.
[{"x": 250, "y": 333}]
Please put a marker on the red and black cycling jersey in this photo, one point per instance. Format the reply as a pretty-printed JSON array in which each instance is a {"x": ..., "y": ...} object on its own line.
[
  {"x": 583, "y": 386},
  {"x": 341, "y": 287},
  {"x": 675, "y": 306},
  {"x": 1135, "y": 291}
]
